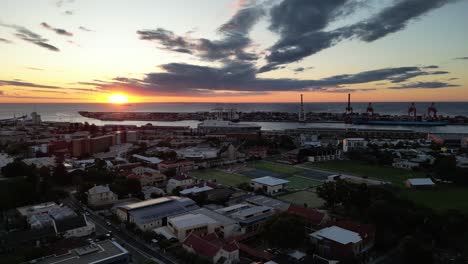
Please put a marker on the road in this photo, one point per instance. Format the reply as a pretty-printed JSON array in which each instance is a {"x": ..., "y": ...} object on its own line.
[{"x": 139, "y": 250}]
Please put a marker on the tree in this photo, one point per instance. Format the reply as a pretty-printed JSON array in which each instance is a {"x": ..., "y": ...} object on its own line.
[
  {"x": 60, "y": 175},
  {"x": 133, "y": 185},
  {"x": 284, "y": 230},
  {"x": 18, "y": 168}
]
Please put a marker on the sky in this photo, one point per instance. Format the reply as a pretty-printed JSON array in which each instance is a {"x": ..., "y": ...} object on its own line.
[{"x": 233, "y": 50}]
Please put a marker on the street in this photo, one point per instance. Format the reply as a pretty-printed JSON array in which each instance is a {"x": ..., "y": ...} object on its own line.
[{"x": 139, "y": 250}]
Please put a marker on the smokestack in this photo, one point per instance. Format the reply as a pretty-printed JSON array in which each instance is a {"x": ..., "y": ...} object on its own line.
[
  {"x": 301, "y": 113},
  {"x": 349, "y": 100}
]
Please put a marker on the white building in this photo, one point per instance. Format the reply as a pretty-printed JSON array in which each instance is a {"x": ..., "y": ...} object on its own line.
[
  {"x": 269, "y": 185},
  {"x": 405, "y": 164},
  {"x": 198, "y": 153},
  {"x": 179, "y": 181},
  {"x": 350, "y": 144},
  {"x": 419, "y": 182},
  {"x": 199, "y": 224},
  {"x": 100, "y": 195}
]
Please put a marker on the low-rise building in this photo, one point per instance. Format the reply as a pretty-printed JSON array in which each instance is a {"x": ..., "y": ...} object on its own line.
[
  {"x": 103, "y": 252},
  {"x": 148, "y": 176},
  {"x": 101, "y": 195},
  {"x": 179, "y": 167},
  {"x": 419, "y": 183},
  {"x": 179, "y": 181},
  {"x": 338, "y": 242},
  {"x": 269, "y": 185},
  {"x": 212, "y": 248},
  {"x": 153, "y": 213},
  {"x": 350, "y": 144},
  {"x": 184, "y": 225}
]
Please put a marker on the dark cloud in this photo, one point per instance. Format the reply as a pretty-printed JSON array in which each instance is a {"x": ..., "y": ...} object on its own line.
[
  {"x": 301, "y": 69},
  {"x": 5, "y": 41},
  {"x": 301, "y": 25},
  {"x": 25, "y": 84},
  {"x": 194, "y": 80},
  {"x": 232, "y": 45},
  {"x": 20, "y": 83},
  {"x": 461, "y": 58},
  {"x": 348, "y": 90},
  {"x": 424, "y": 85},
  {"x": 431, "y": 67},
  {"x": 29, "y": 36},
  {"x": 85, "y": 29},
  {"x": 59, "y": 31}
]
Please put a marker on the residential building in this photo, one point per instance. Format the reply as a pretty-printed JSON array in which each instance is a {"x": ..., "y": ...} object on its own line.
[
  {"x": 149, "y": 190},
  {"x": 338, "y": 242},
  {"x": 179, "y": 167},
  {"x": 269, "y": 185},
  {"x": 153, "y": 213},
  {"x": 350, "y": 144},
  {"x": 101, "y": 195},
  {"x": 179, "y": 181},
  {"x": 212, "y": 248},
  {"x": 148, "y": 176},
  {"x": 103, "y": 252}
]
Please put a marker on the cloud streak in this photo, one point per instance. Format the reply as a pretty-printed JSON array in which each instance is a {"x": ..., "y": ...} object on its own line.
[
  {"x": 58, "y": 31},
  {"x": 424, "y": 85},
  {"x": 29, "y": 36},
  {"x": 5, "y": 41}
]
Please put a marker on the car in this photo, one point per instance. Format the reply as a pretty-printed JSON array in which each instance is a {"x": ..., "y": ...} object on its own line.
[{"x": 108, "y": 223}]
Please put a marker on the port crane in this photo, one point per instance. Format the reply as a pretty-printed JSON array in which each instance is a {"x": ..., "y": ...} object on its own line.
[
  {"x": 412, "y": 110},
  {"x": 432, "y": 111}
]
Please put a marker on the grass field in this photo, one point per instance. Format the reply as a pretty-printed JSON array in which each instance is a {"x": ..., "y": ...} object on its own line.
[
  {"x": 393, "y": 175},
  {"x": 301, "y": 182},
  {"x": 279, "y": 168},
  {"x": 310, "y": 198},
  {"x": 440, "y": 198},
  {"x": 222, "y": 177}
]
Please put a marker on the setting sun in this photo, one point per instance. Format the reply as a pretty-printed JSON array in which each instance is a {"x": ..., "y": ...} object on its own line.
[{"x": 118, "y": 99}]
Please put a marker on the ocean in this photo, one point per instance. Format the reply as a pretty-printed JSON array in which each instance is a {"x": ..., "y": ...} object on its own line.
[{"x": 68, "y": 112}]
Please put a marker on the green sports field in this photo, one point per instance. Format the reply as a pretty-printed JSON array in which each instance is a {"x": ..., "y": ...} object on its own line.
[
  {"x": 440, "y": 198},
  {"x": 393, "y": 175},
  {"x": 310, "y": 198},
  {"x": 284, "y": 169},
  {"x": 298, "y": 182}
]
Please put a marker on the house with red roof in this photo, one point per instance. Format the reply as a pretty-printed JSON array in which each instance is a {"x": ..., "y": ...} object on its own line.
[
  {"x": 213, "y": 248},
  {"x": 313, "y": 216}
]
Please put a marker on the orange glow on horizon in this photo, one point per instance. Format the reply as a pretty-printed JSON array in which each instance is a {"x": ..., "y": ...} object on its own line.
[{"x": 118, "y": 98}]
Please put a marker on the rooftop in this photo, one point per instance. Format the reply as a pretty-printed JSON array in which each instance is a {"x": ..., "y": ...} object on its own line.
[
  {"x": 421, "y": 181},
  {"x": 270, "y": 181},
  {"x": 337, "y": 234},
  {"x": 99, "y": 189},
  {"x": 189, "y": 220},
  {"x": 94, "y": 253}
]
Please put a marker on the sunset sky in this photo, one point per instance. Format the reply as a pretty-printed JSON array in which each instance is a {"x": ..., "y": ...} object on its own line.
[{"x": 233, "y": 50}]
